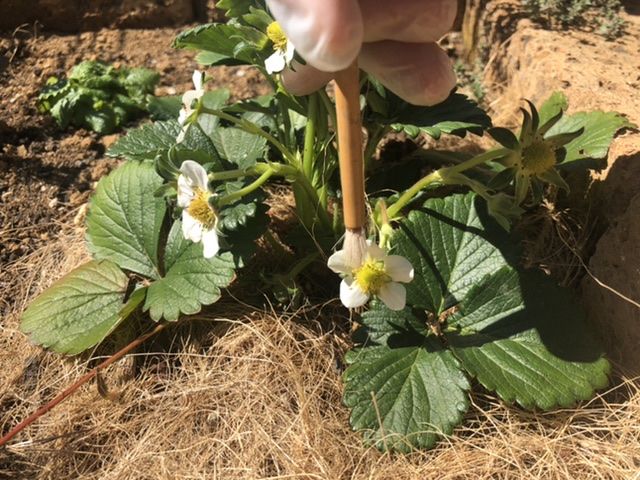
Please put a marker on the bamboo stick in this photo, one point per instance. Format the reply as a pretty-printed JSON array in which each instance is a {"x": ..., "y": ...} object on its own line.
[
  {"x": 349, "y": 124},
  {"x": 350, "y": 156}
]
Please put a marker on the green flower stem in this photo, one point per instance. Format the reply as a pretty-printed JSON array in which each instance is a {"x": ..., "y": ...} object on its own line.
[
  {"x": 441, "y": 175},
  {"x": 478, "y": 160},
  {"x": 299, "y": 267},
  {"x": 254, "y": 129},
  {"x": 409, "y": 194},
  {"x": 258, "y": 169},
  {"x": 232, "y": 197},
  {"x": 329, "y": 106},
  {"x": 308, "y": 156}
]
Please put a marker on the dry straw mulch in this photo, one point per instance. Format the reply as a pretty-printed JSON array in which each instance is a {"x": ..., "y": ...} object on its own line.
[{"x": 241, "y": 395}]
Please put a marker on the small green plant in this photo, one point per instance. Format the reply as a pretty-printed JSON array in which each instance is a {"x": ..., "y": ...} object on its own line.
[
  {"x": 603, "y": 14},
  {"x": 448, "y": 303},
  {"x": 98, "y": 96}
]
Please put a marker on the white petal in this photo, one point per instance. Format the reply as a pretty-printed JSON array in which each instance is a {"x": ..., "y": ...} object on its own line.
[
  {"x": 195, "y": 173},
  {"x": 181, "y": 135},
  {"x": 276, "y": 62},
  {"x": 191, "y": 228},
  {"x": 197, "y": 78},
  {"x": 188, "y": 98},
  {"x": 185, "y": 192},
  {"x": 374, "y": 251},
  {"x": 351, "y": 295},
  {"x": 289, "y": 52},
  {"x": 338, "y": 263},
  {"x": 182, "y": 116},
  {"x": 210, "y": 243},
  {"x": 393, "y": 295},
  {"x": 398, "y": 268}
]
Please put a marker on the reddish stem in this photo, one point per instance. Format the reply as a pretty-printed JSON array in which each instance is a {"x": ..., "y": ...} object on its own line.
[{"x": 81, "y": 381}]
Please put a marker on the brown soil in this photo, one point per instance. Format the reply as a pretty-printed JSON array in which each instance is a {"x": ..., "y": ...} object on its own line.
[{"x": 79, "y": 15}]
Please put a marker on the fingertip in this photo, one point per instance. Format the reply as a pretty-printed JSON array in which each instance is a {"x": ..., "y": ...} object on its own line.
[
  {"x": 421, "y": 74},
  {"x": 304, "y": 79}
]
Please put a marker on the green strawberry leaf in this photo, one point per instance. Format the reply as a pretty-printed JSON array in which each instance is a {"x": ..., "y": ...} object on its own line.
[
  {"x": 525, "y": 338},
  {"x": 125, "y": 219},
  {"x": 456, "y": 115},
  {"x": 190, "y": 281},
  {"x": 593, "y": 144},
  {"x": 516, "y": 332},
  {"x": 236, "y": 8},
  {"x": 452, "y": 242},
  {"x": 552, "y": 108},
  {"x": 224, "y": 39},
  {"x": 146, "y": 141},
  {"x": 405, "y": 397},
  {"x": 239, "y": 147},
  {"x": 79, "y": 310},
  {"x": 165, "y": 108}
]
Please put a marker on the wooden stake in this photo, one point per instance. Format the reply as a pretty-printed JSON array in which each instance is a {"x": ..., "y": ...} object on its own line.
[{"x": 347, "y": 94}]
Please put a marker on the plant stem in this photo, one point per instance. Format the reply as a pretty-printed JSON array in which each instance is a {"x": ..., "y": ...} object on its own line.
[
  {"x": 408, "y": 195},
  {"x": 258, "y": 169},
  {"x": 81, "y": 381},
  {"x": 478, "y": 160},
  {"x": 329, "y": 106},
  {"x": 232, "y": 197},
  {"x": 308, "y": 156},
  {"x": 439, "y": 175},
  {"x": 254, "y": 129}
]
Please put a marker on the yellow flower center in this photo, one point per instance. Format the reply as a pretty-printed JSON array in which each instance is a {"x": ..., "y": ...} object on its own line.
[
  {"x": 277, "y": 36},
  {"x": 200, "y": 209},
  {"x": 538, "y": 157},
  {"x": 371, "y": 276}
]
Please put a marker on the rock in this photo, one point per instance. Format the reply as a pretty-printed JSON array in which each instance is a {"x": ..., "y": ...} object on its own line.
[{"x": 616, "y": 265}]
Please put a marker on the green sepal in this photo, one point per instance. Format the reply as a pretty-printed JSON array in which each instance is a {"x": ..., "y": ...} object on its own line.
[{"x": 504, "y": 137}]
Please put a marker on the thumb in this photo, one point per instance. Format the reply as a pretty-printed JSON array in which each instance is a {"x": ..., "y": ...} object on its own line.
[{"x": 327, "y": 34}]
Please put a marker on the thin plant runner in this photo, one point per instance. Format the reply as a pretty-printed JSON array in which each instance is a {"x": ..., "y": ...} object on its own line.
[{"x": 443, "y": 302}]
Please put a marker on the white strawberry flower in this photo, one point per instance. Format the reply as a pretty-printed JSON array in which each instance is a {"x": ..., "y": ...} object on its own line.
[
  {"x": 199, "y": 219},
  {"x": 188, "y": 98},
  {"x": 284, "y": 49},
  {"x": 378, "y": 274}
]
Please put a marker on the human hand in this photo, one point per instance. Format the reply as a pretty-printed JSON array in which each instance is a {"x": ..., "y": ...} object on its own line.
[{"x": 394, "y": 41}]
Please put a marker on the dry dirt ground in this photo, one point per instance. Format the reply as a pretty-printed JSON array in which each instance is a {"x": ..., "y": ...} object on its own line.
[{"x": 233, "y": 394}]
